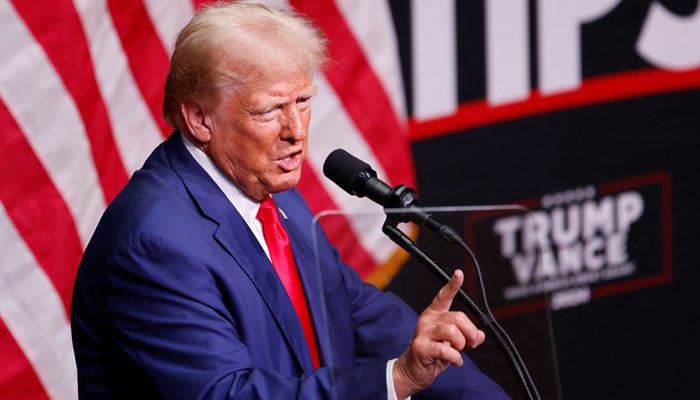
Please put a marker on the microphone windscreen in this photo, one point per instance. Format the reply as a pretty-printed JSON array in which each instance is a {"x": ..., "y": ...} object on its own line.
[{"x": 344, "y": 169}]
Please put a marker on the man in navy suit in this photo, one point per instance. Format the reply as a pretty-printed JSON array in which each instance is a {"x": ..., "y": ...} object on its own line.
[{"x": 176, "y": 296}]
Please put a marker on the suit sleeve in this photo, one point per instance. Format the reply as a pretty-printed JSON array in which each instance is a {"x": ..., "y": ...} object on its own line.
[
  {"x": 167, "y": 317},
  {"x": 384, "y": 327}
]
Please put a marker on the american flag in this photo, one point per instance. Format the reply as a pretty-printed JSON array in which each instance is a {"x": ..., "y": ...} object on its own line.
[{"x": 80, "y": 94}]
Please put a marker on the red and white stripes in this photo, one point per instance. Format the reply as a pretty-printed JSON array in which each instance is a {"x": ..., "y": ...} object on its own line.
[{"x": 80, "y": 96}]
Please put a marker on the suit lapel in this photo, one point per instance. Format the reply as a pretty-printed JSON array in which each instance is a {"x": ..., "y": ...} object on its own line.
[
  {"x": 251, "y": 258},
  {"x": 236, "y": 238}
]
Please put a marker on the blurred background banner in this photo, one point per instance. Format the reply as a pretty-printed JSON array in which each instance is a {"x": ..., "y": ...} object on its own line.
[{"x": 584, "y": 112}]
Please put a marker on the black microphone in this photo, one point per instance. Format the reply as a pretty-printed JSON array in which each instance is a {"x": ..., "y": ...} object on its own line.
[{"x": 359, "y": 179}]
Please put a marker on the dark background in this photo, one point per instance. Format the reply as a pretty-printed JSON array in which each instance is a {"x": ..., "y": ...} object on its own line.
[{"x": 635, "y": 344}]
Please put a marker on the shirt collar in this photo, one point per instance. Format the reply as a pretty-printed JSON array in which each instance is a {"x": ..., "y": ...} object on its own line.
[{"x": 247, "y": 207}]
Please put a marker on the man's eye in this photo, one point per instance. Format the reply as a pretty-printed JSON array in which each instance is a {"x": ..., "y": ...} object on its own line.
[
  {"x": 266, "y": 111},
  {"x": 304, "y": 101}
]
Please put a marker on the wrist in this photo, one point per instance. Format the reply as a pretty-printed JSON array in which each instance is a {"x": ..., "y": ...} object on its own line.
[{"x": 403, "y": 385}]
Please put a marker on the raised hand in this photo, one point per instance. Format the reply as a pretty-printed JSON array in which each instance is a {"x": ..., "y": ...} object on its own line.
[{"x": 438, "y": 341}]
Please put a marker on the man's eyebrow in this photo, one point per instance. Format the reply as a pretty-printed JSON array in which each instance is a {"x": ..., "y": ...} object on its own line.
[{"x": 311, "y": 91}]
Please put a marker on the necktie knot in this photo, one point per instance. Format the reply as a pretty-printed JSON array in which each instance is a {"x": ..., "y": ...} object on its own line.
[{"x": 267, "y": 212}]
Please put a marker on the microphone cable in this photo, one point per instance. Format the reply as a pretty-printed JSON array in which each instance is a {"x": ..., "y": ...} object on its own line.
[
  {"x": 485, "y": 316},
  {"x": 357, "y": 178}
]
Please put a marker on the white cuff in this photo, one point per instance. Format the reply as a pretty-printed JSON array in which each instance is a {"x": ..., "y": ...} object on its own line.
[{"x": 390, "y": 390}]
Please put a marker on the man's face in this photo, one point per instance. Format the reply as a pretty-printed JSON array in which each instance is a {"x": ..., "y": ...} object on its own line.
[{"x": 259, "y": 132}]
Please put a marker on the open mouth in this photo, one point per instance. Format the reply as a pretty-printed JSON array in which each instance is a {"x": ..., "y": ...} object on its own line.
[{"x": 290, "y": 162}]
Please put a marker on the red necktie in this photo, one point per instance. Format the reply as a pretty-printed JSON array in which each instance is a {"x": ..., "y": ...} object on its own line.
[{"x": 283, "y": 260}]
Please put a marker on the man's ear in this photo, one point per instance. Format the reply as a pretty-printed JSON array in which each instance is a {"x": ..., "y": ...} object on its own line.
[{"x": 197, "y": 121}]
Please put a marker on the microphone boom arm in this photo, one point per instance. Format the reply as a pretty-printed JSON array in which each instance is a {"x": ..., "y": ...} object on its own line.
[
  {"x": 357, "y": 178},
  {"x": 486, "y": 319}
]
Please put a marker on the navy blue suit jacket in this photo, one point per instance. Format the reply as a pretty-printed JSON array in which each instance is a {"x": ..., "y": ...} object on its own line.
[{"x": 175, "y": 298}]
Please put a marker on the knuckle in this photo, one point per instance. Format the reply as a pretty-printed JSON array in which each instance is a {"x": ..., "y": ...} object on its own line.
[
  {"x": 452, "y": 331},
  {"x": 462, "y": 319}
]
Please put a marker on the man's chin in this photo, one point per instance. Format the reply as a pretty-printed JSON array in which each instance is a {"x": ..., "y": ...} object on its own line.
[{"x": 289, "y": 181}]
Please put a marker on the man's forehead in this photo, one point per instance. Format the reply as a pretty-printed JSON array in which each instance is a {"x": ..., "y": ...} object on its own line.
[{"x": 279, "y": 85}]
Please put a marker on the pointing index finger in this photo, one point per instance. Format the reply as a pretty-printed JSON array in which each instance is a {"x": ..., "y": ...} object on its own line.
[{"x": 443, "y": 300}]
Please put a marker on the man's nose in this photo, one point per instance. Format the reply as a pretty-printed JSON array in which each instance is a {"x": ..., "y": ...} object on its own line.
[{"x": 293, "y": 127}]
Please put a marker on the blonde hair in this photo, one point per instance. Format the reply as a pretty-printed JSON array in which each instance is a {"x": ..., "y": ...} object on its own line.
[{"x": 213, "y": 47}]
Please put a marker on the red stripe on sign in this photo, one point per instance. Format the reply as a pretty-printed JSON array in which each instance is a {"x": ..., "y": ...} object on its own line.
[
  {"x": 59, "y": 31},
  {"x": 336, "y": 227},
  {"x": 37, "y": 209},
  {"x": 148, "y": 59},
  {"x": 361, "y": 92},
  {"x": 596, "y": 90},
  {"x": 17, "y": 377}
]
